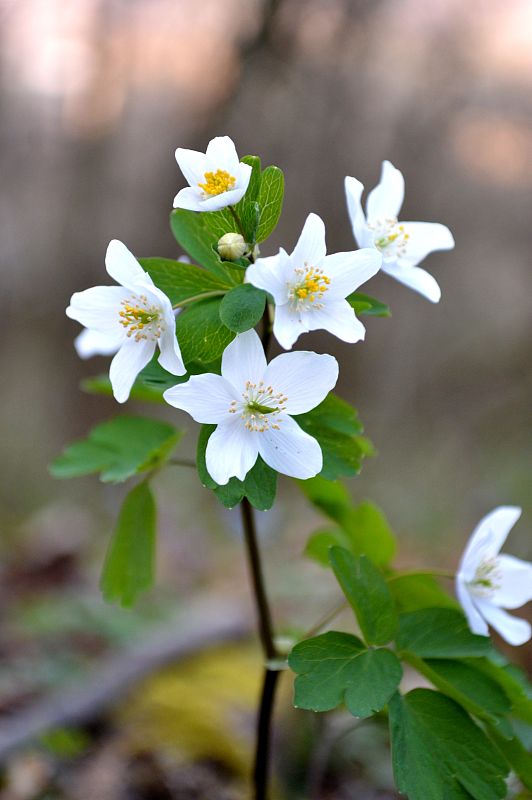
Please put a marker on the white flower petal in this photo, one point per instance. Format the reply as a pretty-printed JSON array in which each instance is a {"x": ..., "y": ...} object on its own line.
[
  {"x": 122, "y": 265},
  {"x": 474, "y": 618},
  {"x": 386, "y": 199},
  {"x": 288, "y": 325},
  {"x": 487, "y": 539},
  {"x": 513, "y": 630},
  {"x": 221, "y": 154},
  {"x": 348, "y": 271},
  {"x": 126, "y": 365},
  {"x": 310, "y": 246},
  {"x": 170, "y": 357},
  {"x": 415, "y": 278},
  {"x": 290, "y": 450},
  {"x": 190, "y": 199},
  {"x": 94, "y": 343},
  {"x": 425, "y": 238},
  {"x": 353, "y": 195},
  {"x": 192, "y": 164},
  {"x": 207, "y": 398},
  {"x": 231, "y": 451},
  {"x": 271, "y": 274},
  {"x": 98, "y": 308},
  {"x": 339, "y": 319},
  {"x": 244, "y": 360},
  {"x": 515, "y": 584},
  {"x": 305, "y": 378},
  {"x": 218, "y": 201}
]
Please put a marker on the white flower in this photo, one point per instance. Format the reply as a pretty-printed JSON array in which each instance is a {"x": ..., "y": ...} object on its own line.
[
  {"x": 487, "y": 582},
  {"x": 129, "y": 320},
  {"x": 403, "y": 244},
  {"x": 310, "y": 287},
  {"x": 217, "y": 178},
  {"x": 250, "y": 402}
]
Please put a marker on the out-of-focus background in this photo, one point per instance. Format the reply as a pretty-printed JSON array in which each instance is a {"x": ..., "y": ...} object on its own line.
[{"x": 95, "y": 95}]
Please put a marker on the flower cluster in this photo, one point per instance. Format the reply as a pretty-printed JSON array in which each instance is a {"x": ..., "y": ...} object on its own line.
[{"x": 253, "y": 403}]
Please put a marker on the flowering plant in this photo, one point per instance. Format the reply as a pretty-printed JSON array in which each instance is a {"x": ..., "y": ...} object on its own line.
[{"x": 210, "y": 318}]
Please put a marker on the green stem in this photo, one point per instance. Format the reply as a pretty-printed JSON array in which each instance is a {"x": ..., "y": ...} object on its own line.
[{"x": 323, "y": 621}]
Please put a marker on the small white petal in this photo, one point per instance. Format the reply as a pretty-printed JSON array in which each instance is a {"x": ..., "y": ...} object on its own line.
[
  {"x": 487, "y": 539},
  {"x": 244, "y": 360},
  {"x": 474, "y": 618},
  {"x": 230, "y": 198},
  {"x": 305, "y": 378},
  {"x": 290, "y": 450},
  {"x": 348, "y": 271},
  {"x": 98, "y": 308},
  {"x": 94, "y": 343},
  {"x": 386, "y": 199},
  {"x": 192, "y": 164},
  {"x": 122, "y": 265},
  {"x": 513, "y": 630},
  {"x": 170, "y": 357},
  {"x": 189, "y": 199},
  {"x": 231, "y": 451},
  {"x": 339, "y": 319},
  {"x": 126, "y": 365},
  {"x": 415, "y": 278},
  {"x": 271, "y": 274},
  {"x": 515, "y": 584},
  {"x": 288, "y": 325},
  {"x": 353, "y": 195},
  {"x": 310, "y": 246},
  {"x": 425, "y": 238},
  {"x": 221, "y": 154},
  {"x": 207, "y": 398}
]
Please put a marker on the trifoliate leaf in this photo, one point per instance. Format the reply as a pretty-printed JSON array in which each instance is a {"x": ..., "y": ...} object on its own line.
[
  {"x": 270, "y": 201},
  {"x": 439, "y": 753},
  {"x": 201, "y": 334},
  {"x": 368, "y": 306},
  {"x": 412, "y": 592},
  {"x": 181, "y": 281},
  {"x": 367, "y": 594},
  {"x": 242, "y": 308},
  {"x": 118, "y": 449},
  {"x": 336, "y": 667},
  {"x": 439, "y": 633},
  {"x": 129, "y": 564}
]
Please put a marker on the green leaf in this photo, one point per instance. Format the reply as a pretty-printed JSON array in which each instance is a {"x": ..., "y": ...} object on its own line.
[
  {"x": 513, "y": 682},
  {"x": 321, "y": 541},
  {"x": 515, "y": 754},
  {"x": 367, "y": 594},
  {"x": 201, "y": 334},
  {"x": 336, "y": 426},
  {"x": 248, "y": 209},
  {"x": 336, "y": 667},
  {"x": 412, "y": 592},
  {"x": 439, "y": 753},
  {"x": 259, "y": 485},
  {"x": 439, "y": 633},
  {"x": 118, "y": 449},
  {"x": 242, "y": 307},
  {"x": 368, "y": 306},
  {"x": 270, "y": 201},
  {"x": 149, "y": 385},
  {"x": 198, "y": 233},
  {"x": 331, "y": 497},
  {"x": 181, "y": 281},
  {"x": 129, "y": 563}
]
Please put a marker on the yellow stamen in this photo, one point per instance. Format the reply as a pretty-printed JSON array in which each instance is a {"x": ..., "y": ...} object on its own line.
[{"x": 217, "y": 182}]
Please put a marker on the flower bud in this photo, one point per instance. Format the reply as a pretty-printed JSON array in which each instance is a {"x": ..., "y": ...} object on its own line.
[{"x": 232, "y": 246}]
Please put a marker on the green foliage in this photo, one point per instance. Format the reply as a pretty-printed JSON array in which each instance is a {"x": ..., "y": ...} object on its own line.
[
  {"x": 181, "y": 281},
  {"x": 439, "y": 633},
  {"x": 367, "y": 594},
  {"x": 365, "y": 305},
  {"x": 118, "y": 449},
  {"x": 337, "y": 667},
  {"x": 439, "y": 753},
  {"x": 270, "y": 201},
  {"x": 201, "y": 334},
  {"x": 362, "y": 529},
  {"x": 259, "y": 485},
  {"x": 515, "y": 755},
  {"x": 242, "y": 307},
  {"x": 198, "y": 234},
  {"x": 336, "y": 426},
  {"x": 248, "y": 209},
  {"x": 513, "y": 682},
  {"x": 149, "y": 385},
  {"x": 129, "y": 564},
  {"x": 412, "y": 592}
]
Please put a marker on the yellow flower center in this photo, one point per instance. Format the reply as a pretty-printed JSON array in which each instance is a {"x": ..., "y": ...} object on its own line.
[
  {"x": 389, "y": 237},
  {"x": 139, "y": 318},
  {"x": 217, "y": 182},
  {"x": 260, "y": 407},
  {"x": 311, "y": 284}
]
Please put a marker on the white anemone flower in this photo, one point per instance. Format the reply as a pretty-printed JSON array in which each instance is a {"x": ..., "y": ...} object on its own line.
[
  {"x": 403, "y": 244},
  {"x": 309, "y": 287},
  {"x": 130, "y": 320},
  {"x": 487, "y": 583},
  {"x": 251, "y": 402},
  {"x": 216, "y": 178}
]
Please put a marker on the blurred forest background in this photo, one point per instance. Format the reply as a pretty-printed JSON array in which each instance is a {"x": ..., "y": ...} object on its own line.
[{"x": 95, "y": 95}]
